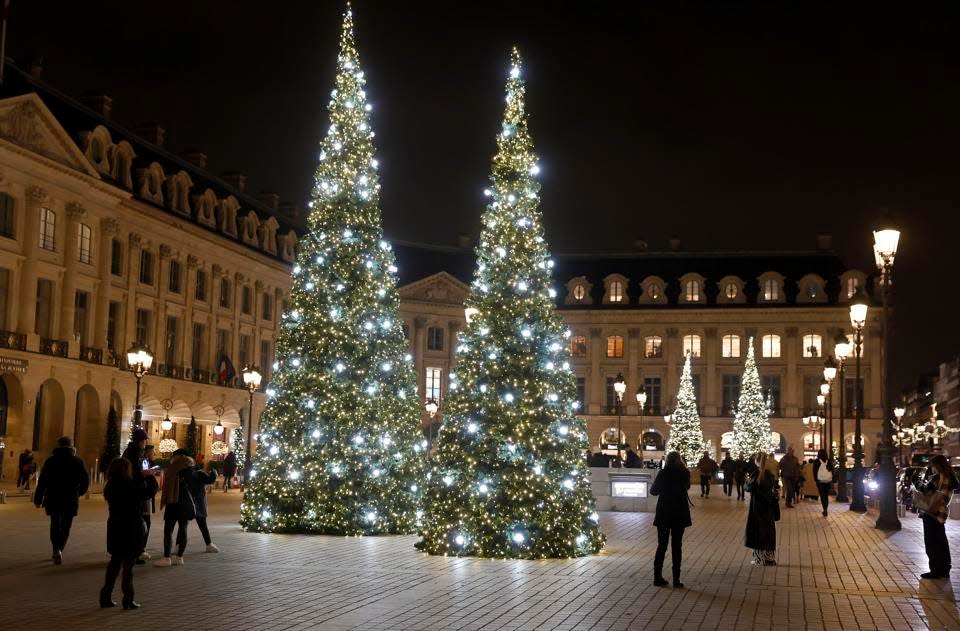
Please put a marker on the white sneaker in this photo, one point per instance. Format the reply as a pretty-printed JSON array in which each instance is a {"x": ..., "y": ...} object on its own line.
[
  {"x": 178, "y": 560},
  {"x": 212, "y": 548},
  {"x": 145, "y": 556},
  {"x": 163, "y": 562}
]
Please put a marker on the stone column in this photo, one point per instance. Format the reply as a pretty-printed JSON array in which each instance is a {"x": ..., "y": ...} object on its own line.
[
  {"x": 109, "y": 227},
  {"x": 160, "y": 304},
  {"x": 68, "y": 290},
  {"x": 137, "y": 243},
  {"x": 420, "y": 347},
  {"x": 215, "y": 277},
  {"x": 259, "y": 323},
  {"x": 633, "y": 373},
  {"x": 36, "y": 198},
  {"x": 190, "y": 287},
  {"x": 595, "y": 387},
  {"x": 234, "y": 351},
  {"x": 711, "y": 380},
  {"x": 794, "y": 380}
]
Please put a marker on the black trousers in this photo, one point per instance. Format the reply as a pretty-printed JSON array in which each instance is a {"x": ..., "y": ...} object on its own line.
[
  {"x": 126, "y": 584},
  {"x": 740, "y": 485},
  {"x": 664, "y": 535},
  {"x": 824, "y": 488},
  {"x": 727, "y": 486},
  {"x": 146, "y": 531},
  {"x": 704, "y": 485},
  {"x": 202, "y": 525},
  {"x": 937, "y": 547},
  {"x": 60, "y": 529},
  {"x": 791, "y": 487},
  {"x": 168, "y": 525}
]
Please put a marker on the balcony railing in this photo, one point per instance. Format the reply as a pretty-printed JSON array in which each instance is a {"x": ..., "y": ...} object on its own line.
[
  {"x": 57, "y": 348},
  {"x": 15, "y": 341},
  {"x": 91, "y": 355}
]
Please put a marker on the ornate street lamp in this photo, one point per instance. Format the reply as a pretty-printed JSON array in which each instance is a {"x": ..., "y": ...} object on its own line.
[
  {"x": 822, "y": 402},
  {"x": 886, "y": 238},
  {"x": 898, "y": 412},
  {"x": 139, "y": 360},
  {"x": 829, "y": 374},
  {"x": 619, "y": 386},
  {"x": 252, "y": 379},
  {"x": 641, "y": 403},
  {"x": 858, "y": 318},
  {"x": 842, "y": 349}
]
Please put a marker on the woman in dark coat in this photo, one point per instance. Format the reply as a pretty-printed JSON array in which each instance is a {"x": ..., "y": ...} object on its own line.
[
  {"x": 197, "y": 483},
  {"x": 673, "y": 515},
  {"x": 178, "y": 507},
  {"x": 229, "y": 470},
  {"x": 761, "y": 534},
  {"x": 124, "y": 494}
]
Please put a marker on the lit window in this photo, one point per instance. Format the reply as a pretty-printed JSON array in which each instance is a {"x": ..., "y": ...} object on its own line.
[
  {"x": 852, "y": 285},
  {"x": 653, "y": 346},
  {"x": 812, "y": 345},
  {"x": 692, "y": 290},
  {"x": 691, "y": 344},
  {"x": 654, "y": 290},
  {"x": 615, "y": 346},
  {"x": 578, "y": 346},
  {"x": 48, "y": 226},
  {"x": 771, "y": 290},
  {"x": 731, "y": 345},
  {"x": 731, "y": 290},
  {"x": 616, "y": 291},
  {"x": 83, "y": 243},
  {"x": 432, "y": 383},
  {"x": 579, "y": 292},
  {"x": 771, "y": 346}
]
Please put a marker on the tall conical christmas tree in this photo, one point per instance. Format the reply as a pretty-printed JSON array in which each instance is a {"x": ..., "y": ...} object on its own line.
[
  {"x": 686, "y": 435},
  {"x": 340, "y": 446},
  {"x": 751, "y": 425},
  {"x": 508, "y": 478}
]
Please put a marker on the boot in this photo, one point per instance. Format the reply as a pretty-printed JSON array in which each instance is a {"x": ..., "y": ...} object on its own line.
[
  {"x": 659, "y": 581},
  {"x": 106, "y": 600}
]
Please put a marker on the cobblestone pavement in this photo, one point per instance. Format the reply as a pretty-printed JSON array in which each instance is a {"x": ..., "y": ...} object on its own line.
[{"x": 836, "y": 573}]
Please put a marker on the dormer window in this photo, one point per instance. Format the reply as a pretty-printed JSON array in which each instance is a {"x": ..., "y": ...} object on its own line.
[
  {"x": 731, "y": 290},
  {"x": 616, "y": 290},
  {"x": 811, "y": 289},
  {"x": 853, "y": 283},
  {"x": 691, "y": 291},
  {"x": 654, "y": 291},
  {"x": 771, "y": 290},
  {"x": 579, "y": 292}
]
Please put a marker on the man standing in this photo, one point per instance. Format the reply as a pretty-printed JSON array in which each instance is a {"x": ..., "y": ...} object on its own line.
[
  {"x": 740, "y": 475},
  {"x": 62, "y": 481},
  {"x": 229, "y": 470},
  {"x": 136, "y": 453},
  {"x": 790, "y": 472},
  {"x": 728, "y": 466},
  {"x": 708, "y": 467}
]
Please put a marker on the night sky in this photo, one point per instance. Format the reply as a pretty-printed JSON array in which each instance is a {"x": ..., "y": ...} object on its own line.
[{"x": 729, "y": 125}]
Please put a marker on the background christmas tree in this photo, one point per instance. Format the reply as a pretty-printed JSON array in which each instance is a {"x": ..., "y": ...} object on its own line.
[
  {"x": 239, "y": 446},
  {"x": 751, "y": 424},
  {"x": 340, "y": 448},
  {"x": 111, "y": 443},
  {"x": 686, "y": 435},
  {"x": 508, "y": 478},
  {"x": 190, "y": 444}
]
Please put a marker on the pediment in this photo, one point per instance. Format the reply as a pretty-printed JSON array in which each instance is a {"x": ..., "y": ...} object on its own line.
[
  {"x": 440, "y": 288},
  {"x": 26, "y": 122}
]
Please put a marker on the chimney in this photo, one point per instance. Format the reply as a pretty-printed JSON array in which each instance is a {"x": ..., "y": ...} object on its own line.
[
  {"x": 235, "y": 179},
  {"x": 824, "y": 241},
  {"x": 269, "y": 199},
  {"x": 151, "y": 132},
  {"x": 36, "y": 67},
  {"x": 196, "y": 157},
  {"x": 290, "y": 210},
  {"x": 674, "y": 244},
  {"x": 640, "y": 244},
  {"x": 463, "y": 241},
  {"x": 99, "y": 103}
]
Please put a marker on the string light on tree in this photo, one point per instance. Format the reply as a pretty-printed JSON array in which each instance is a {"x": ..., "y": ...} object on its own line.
[
  {"x": 751, "y": 424},
  {"x": 507, "y": 478},
  {"x": 686, "y": 435},
  {"x": 343, "y": 376}
]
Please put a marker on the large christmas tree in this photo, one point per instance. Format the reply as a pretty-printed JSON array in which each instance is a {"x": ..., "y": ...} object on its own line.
[
  {"x": 340, "y": 448},
  {"x": 751, "y": 425},
  {"x": 686, "y": 435},
  {"x": 508, "y": 478}
]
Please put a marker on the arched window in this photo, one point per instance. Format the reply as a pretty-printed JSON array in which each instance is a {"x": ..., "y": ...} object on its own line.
[
  {"x": 691, "y": 344},
  {"x": 615, "y": 291},
  {"x": 771, "y": 346},
  {"x": 48, "y": 227},
  {"x": 83, "y": 243},
  {"x": 652, "y": 346},
  {"x": 812, "y": 289},
  {"x": 811, "y": 443},
  {"x": 691, "y": 290},
  {"x": 579, "y": 292},
  {"x": 651, "y": 440},
  {"x": 615, "y": 346},
  {"x": 730, "y": 290},
  {"x": 730, "y": 346},
  {"x": 654, "y": 290},
  {"x": 771, "y": 290},
  {"x": 812, "y": 345},
  {"x": 853, "y": 283},
  {"x": 578, "y": 346}
]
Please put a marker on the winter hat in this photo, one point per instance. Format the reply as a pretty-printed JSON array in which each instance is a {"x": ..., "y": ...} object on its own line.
[{"x": 138, "y": 435}]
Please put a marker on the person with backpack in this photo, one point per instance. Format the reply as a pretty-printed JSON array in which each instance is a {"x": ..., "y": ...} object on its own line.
[
  {"x": 823, "y": 474},
  {"x": 62, "y": 481},
  {"x": 177, "y": 505}
]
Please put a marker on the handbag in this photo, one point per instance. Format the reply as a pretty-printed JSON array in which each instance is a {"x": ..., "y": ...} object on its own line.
[{"x": 931, "y": 502}]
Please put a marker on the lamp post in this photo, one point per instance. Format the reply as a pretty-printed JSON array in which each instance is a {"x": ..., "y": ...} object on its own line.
[
  {"x": 814, "y": 422},
  {"x": 842, "y": 350},
  {"x": 431, "y": 406},
  {"x": 885, "y": 241},
  {"x": 829, "y": 374},
  {"x": 858, "y": 318},
  {"x": 619, "y": 387},
  {"x": 252, "y": 379},
  {"x": 822, "y": 411},
  {"x": 139, "y": 360},
  {"x": 641, "y": 402},
  {"x": 899, "y": 411}
]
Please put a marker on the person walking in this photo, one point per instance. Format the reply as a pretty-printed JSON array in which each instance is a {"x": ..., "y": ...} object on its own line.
[
  {"x": 671, "y": 486},
  {"x": 761, "y": 531},
  {"x": 740, "y": 475},
  {"x": 197, "y": 483},
  {"x": 136, "y": 453},
  {"x": 708, "y": 467},
  {"x": 124, "y": 494},
  {"x": 177, "y": 505},
  {"x": 932, "y": 502},
  {"x": 728, "y": 467},
  {"x": 230, "y": 469},
  {"x": 823, "y": 474},
  {"x": 62, "y": 481},
  {"x": 24, "y": 467},
  {"x": 790, "y": 472}
]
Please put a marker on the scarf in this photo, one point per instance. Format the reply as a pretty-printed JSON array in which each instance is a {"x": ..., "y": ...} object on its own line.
[{"x": 171, "y": 479}]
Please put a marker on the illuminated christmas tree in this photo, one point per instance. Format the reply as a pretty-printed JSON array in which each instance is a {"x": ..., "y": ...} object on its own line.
[
  {"x": 751, "y": 424},
  {"x": 508, "y": 477},
  {"x": 686, "y": 435},
  {"x": 339, "y": 447},
  {"x": 239, "y": 445}
]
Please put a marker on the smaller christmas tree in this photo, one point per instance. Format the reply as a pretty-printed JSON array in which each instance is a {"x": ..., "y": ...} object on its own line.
[
  {"x": 751, "y": 424},
  {"x": 111, "y": 444},
  {"x": 239, "y": 445},
  {"x": 190, "y": 444},
  {"x": 686, "y": 435}
]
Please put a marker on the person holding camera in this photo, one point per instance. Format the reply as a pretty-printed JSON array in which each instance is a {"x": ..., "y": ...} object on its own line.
[{"x": 932, "y": 501}]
